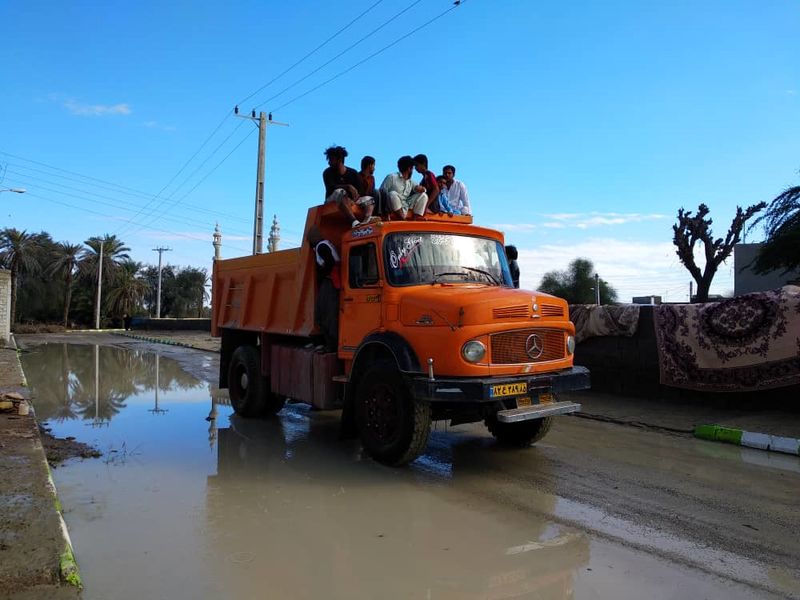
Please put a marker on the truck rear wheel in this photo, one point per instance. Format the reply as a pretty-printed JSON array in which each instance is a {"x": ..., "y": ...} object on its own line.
[
  {"x": 393, "y": 426},
  {"x": 519, "y": 435},
  {"x": 250, "y": 391}
]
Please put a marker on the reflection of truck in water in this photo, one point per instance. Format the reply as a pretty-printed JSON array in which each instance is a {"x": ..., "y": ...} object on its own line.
[
  {"x": 313, "y": 522},
  {"x": 430, "y": 328}
]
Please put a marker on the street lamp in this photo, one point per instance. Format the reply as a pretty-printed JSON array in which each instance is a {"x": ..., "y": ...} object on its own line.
[{"x": 15, "y": 190}]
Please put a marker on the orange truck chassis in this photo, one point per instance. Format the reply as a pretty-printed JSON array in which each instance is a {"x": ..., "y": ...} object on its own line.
[{"x": 430, "y": 328}]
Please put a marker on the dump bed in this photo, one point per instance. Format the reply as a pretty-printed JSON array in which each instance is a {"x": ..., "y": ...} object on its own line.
[{"x": 273, "y": 292}]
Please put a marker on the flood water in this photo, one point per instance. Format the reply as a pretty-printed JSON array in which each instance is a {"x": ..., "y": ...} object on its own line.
[{"x": 189, "y": 501}]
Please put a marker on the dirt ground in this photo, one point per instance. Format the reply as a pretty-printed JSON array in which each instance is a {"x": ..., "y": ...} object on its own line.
[{"x": 58, "y": 450}]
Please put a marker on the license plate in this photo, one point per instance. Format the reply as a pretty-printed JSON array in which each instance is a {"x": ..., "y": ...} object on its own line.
[
  {"x": 546, "y": 398},
  {"x": 523, "y": 401},
  {"x": 503, "y": 390}
]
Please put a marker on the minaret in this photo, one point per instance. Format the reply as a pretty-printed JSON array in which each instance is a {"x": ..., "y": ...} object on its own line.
[
  {"x": 217, "y": 243},
  {"x": 274, "y": 235}
]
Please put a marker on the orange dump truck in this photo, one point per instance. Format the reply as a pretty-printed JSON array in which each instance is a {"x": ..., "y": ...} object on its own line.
[{"x": 430, "y": 328}]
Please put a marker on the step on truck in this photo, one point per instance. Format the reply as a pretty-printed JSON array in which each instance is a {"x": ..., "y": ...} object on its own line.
[{"x": 430, "y": 328}]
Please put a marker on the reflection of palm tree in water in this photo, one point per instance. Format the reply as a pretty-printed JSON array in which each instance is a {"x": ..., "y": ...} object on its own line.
[{"x": 69, "y": 381}]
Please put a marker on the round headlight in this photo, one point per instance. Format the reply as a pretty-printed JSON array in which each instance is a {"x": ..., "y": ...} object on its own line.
[
  {"x": 473, "y": 351},
  {"x": 570, "y": 344}
]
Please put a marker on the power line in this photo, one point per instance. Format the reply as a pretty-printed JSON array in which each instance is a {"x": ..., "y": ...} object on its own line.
[
  {"x": 323, "y": 44},
  {"x": 227, "y": 114},
  {"x": 200, "y": 166},
  {"x": 342, "y": 53},
  {"x": 373, "y": 55},
  {"x": 206, "y": 176},
  {"x": 27, "y": 179},
  {"x": 121, "y": 188},
  {"x": 102, "y": 214}
]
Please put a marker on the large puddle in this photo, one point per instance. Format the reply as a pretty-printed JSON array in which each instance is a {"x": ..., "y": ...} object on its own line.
[{"x": 189, "y": 501}]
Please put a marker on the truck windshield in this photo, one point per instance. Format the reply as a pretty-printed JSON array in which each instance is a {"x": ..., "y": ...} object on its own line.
[{"x": 420, "y": 258}]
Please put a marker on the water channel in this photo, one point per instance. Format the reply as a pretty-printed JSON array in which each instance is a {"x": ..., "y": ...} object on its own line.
[{"x": 189, "y": 501}]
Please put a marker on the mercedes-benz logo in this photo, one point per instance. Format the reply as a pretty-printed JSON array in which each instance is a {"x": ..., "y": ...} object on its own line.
[{"x": 534, "y": 346}]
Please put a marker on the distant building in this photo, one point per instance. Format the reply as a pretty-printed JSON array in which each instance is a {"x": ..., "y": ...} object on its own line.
[
  {"x": 646, "y": 300},
  {"x": 746, "y": 281}
]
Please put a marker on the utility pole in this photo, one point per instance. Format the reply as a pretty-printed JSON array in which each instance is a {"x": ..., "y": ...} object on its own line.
[
  {"x": 691, "y": 291},
  {"x": 99, "y": 287},
  {"x": 597, "y": 288},
  {"x": 160, "y": 251},
  {"x": 263, "y": 120}
]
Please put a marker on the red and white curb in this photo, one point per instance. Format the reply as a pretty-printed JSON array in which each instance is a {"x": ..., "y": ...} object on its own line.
[{"x": 762, "y": 441}]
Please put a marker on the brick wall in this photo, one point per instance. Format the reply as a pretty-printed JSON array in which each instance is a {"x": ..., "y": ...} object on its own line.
[{"x": 5, "y": 305}]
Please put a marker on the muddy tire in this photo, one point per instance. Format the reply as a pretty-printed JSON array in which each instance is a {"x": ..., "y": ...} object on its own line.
[
  {"x": 392, "y": 425},
  {"x": 519, "y": 435},
  {"x": 249, "y": 391}
]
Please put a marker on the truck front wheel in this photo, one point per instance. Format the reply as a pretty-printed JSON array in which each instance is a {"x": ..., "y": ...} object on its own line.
[
  {"x": 393, "y": 426},
  {"x": 519, "y": 435},
  {"x": 250, "y": 391}
]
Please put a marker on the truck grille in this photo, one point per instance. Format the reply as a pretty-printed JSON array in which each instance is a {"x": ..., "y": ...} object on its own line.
[
  {"x": 552, "y": 310},
  {"x": 509, "y": 347},
  {"x": 511, "y": 312}
]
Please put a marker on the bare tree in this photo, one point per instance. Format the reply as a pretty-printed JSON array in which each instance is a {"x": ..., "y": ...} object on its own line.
[{"x": 691, "y": 229}]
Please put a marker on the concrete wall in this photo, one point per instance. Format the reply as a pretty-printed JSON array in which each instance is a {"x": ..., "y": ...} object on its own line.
[
  {"x": 5, "y": 305},
  {"x": 746, "y": 281}
]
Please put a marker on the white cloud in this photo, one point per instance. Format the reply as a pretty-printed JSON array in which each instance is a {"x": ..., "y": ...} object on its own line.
[
  {"x": 515, "y": 226},
  {"x": 96, "y": 110},
  {"x": 157, "y": 125},
  {"x": 580, "y": 221},
  {"x": 632, "y": 268}
]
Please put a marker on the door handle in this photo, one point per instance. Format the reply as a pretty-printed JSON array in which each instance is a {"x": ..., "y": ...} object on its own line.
[{"x": 347, "y": 299}]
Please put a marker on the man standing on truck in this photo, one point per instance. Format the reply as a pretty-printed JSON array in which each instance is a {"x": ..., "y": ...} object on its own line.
[
  {"x": 456, "y": 191},
  {"x": 399, "y": 191},
  {"x": 344, "y": 186},
  {"x": 326, "y": 307}
]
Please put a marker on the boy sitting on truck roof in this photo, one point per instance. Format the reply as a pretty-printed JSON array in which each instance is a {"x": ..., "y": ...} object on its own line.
[
  {"x": 428, "y": 182},
  {"x": 399, "y": 191},
  {"x": 345, "y": 187}
]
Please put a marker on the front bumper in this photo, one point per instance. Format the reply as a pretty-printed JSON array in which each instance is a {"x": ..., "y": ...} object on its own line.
[{"x": 493, "y": 389}]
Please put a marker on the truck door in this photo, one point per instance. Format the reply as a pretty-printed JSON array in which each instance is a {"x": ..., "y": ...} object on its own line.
[{"x": 361, "y": 296}]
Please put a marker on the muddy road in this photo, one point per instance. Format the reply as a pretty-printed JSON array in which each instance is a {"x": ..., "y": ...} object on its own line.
[{"x": 189, "y": 501}]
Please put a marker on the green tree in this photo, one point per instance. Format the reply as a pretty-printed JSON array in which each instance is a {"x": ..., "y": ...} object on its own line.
[
  {"x": 781, "y": 249},
  {"x": 127, "y": 289},
  {"x": 65, "y": 261},
  {"x": 576, "y": 284},
  {"x": 190, "y": 283},
  {"x": 691, "y": 229},
  {"x": 114, "y": 252},
  {"x": 19, "y": 254}
]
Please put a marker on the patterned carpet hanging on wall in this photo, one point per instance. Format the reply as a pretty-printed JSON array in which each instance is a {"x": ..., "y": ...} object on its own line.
[{"x": 747, "y": 343}]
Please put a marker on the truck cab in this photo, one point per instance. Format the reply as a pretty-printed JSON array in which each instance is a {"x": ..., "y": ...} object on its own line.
[{"x": 430, "y": 328}]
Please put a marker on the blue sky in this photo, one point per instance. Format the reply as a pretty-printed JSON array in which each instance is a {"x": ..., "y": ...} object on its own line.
[{"x": 579, "y": 128}]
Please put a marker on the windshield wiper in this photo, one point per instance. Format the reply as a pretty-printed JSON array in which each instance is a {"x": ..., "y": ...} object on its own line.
[
  {"x": 489, "y": 276},
  {"x": 445, "y": 273}
]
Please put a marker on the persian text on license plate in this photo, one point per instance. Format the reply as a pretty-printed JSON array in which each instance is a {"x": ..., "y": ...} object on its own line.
[{"x": 502, "y": 390}]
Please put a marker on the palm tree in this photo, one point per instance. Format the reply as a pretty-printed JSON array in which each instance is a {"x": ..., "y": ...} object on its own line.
[
  {"x": 191, "y": 284},
  {"x": 18, "y": 253},
  {"x": 66, "y": 258},
  {"x": 781, "y": 249},
  {"x": 114, "y": 250},
  {"x": 127, "y": 289}
]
